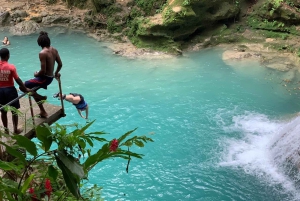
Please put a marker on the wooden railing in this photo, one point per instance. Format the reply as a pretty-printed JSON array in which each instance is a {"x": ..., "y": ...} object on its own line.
[{"x": 30, "y": 101}]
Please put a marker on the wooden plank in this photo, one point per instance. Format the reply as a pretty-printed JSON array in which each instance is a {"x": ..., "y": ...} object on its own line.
[{"x": 25, "y": 120}]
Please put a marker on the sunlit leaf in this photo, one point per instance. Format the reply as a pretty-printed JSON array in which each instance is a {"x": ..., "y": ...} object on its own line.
[{"x": 26, "y": 183}]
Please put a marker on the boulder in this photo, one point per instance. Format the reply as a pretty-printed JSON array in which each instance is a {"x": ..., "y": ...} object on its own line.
[
  {"x": 19, "y": 13},
  {"x": 24, "y": 28},
  {"x": 4, "y": 18},
  {"x": 56, "y": 19},
  {"x": 180, "y": 19}
]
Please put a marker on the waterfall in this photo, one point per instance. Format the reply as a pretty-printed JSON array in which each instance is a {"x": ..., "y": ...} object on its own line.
[
  {"x": 268, "y": 149},
  {"x": 285, "y": 150}
]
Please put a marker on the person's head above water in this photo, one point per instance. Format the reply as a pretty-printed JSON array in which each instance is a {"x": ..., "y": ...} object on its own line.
[
  {"x": 4, "y": 54},
  {"x": 43, "y": 40}
]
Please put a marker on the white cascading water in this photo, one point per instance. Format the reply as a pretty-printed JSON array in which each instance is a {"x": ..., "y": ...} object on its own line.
[
  {"x": 285, "y": 150},
  {"x": 268, "y": 149}
]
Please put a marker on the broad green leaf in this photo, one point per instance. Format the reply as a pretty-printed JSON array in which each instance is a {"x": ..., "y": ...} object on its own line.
[
  {"x": 26, "y": 183},
  {"x": 69, "y": 178},
  {"x": 7, "y": 166},
  {"x": 14, "y": 152},
  {"x": 139, "y": 143},
  {"x": 52, "y": 172},
  {"x": 125, "y": 135},
  {"x": 71, "y": 163},
  {"x": 9, "y": 186},
  {"x": 44, "y": 135},
  {"x": 27, "y": 144}
]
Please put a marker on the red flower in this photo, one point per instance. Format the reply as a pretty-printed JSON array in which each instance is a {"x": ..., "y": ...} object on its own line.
[
  {"x": 31, "y": 191},
  {"x": 48, "y": 187},
  {"x": 114, "y": 145},
  {"x": 33, "y": 195}
]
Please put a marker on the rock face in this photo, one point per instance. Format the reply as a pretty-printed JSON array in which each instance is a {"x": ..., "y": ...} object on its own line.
[
  {"x": 180, "y": 19},
  {"x": 4, "y": 18},
  {"x": 25, "y": 28}
]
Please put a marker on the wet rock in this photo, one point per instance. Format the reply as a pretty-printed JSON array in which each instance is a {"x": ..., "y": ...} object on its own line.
[{"x": 24, "y": 28}]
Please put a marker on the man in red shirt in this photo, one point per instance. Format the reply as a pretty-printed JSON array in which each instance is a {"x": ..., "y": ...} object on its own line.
[{"x": 8, "y": 92}]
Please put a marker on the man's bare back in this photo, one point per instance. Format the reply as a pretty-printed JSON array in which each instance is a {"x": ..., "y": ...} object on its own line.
[{"x": 48, "y": 56}]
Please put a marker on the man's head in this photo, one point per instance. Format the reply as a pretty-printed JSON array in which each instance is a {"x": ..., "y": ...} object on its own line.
[
  {"x": 43, "y": 40},
  {"x": 4, "y": 54}
]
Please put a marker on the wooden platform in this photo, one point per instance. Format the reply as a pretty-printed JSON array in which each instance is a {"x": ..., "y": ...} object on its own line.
[{"x": 25, "y": 120}]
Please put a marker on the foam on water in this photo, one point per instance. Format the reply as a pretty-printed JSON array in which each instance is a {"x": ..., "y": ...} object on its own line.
[{"x": 263, "y": 147}]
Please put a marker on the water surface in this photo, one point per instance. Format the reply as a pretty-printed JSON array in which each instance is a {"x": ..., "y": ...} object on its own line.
[{"x": 214, "y": 124}]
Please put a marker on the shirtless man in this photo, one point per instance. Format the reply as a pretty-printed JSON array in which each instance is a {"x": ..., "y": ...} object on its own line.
[{"x": 42, "y": 78}]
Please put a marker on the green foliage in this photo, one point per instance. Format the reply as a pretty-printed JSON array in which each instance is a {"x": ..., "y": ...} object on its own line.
[
  {"x": 57, "y": 156},
  {"x": 149, "y": 7},
  {"x": 298, "y": 52},
  {"x": 186, "y": 2},
  {"x": 112, "y": 26}
]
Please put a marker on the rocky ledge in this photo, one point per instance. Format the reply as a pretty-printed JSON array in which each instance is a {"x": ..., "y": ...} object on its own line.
[{"x": 25, "y": 17}]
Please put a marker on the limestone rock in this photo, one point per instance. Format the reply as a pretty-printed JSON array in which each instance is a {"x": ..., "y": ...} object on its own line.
[
  {"x": 4, "y": 18},
  {"x": 19, "y": 13},
  {"x": 24, "y": 28},
  {"x": 56, "y": 19}
]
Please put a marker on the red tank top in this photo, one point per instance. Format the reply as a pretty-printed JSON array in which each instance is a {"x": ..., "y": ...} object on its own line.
[{"x": 8, "y": 73}]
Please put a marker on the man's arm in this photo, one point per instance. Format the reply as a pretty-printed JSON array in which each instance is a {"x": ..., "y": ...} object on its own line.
[
  {"x": 22, "y": 86},
  {"x": 43, "y": 60},
  {"x": 59, "y": 65}
]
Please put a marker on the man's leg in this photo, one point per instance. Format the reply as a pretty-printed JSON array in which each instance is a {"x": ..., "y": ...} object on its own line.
[
  {"x": 15, "y": 119},
  {"x": 38, "y": 98},
  {"x": 43, "y": 113},
  {"x": 4, "y": 120}
]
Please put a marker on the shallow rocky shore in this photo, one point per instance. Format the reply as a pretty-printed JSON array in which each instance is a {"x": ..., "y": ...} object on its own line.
[{"x": 24, "y": 17}]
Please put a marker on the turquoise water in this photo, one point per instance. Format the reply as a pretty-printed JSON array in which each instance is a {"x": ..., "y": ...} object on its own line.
[{"x": 213, "y": 124}]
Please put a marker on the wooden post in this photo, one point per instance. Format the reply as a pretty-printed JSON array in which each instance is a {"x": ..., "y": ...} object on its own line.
[
  {"x": 61, "y": 100},
  {"x": 31, "y": 111}
]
